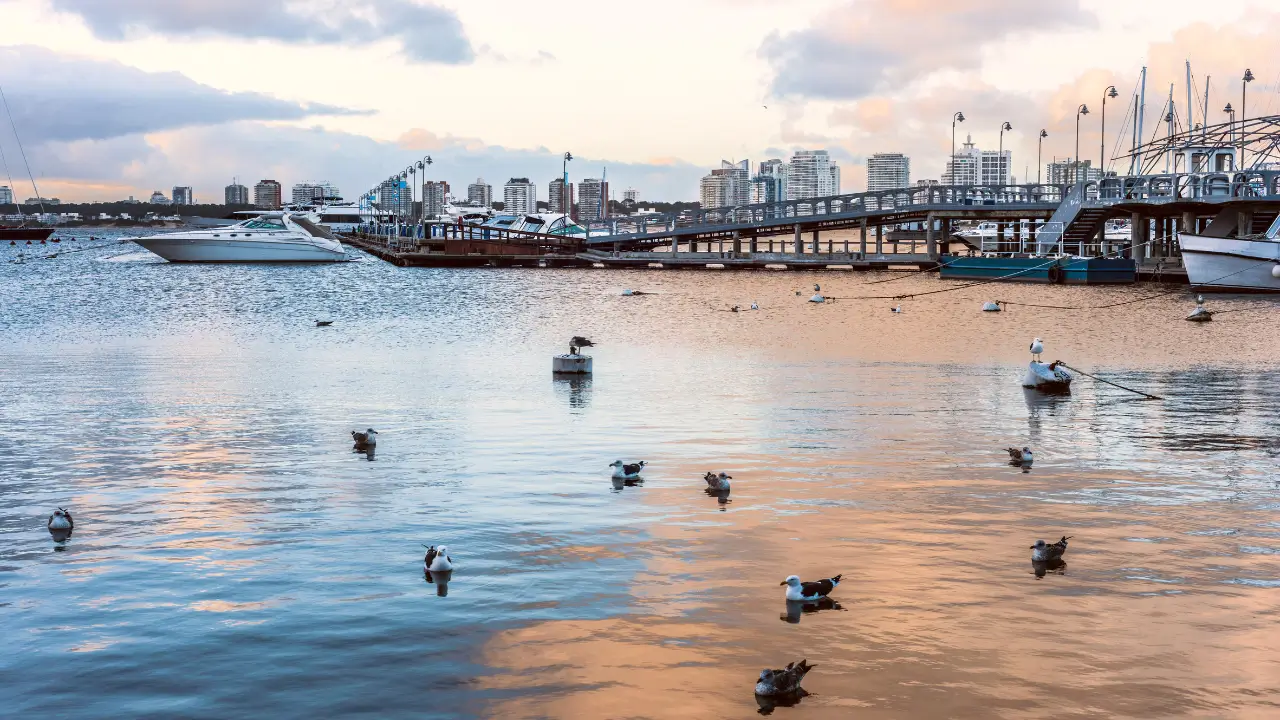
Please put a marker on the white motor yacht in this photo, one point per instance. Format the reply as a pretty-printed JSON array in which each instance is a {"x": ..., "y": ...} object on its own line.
[
  {"x": 1246, "y": 263},
  {"x": 269, "y": 237}
]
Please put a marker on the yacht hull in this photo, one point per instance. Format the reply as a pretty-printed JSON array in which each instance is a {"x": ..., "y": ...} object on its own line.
[
  {"x": 205, "y": 250},
  {"x": 1230, "y": 264}
]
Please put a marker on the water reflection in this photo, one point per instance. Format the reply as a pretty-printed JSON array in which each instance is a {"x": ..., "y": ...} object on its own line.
[
  {"x": 769, "y": 703},
  {"x": 721, "y": 496},
  {"x": 574, "y": 387},
  {"x": 796, "y": 609},
  {"x": 439, "y": 578},
  {"x": 1056, "y": 566}
]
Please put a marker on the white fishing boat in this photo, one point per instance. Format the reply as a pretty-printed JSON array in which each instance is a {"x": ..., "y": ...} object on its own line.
[
  {"x": 1248, "y": 263},
  {"x": 269, "y": 237}
]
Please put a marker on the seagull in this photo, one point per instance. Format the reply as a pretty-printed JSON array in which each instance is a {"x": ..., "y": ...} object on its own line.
[
  {"x": 735, "y": 308},
  {"x": 896, "y": 309},
  {"x": 627, "y": 471},
  {"x": 1018, "y": 457},
  {"x": 60, "y": 524},
  {"x": 323, "y": 323},
  {"x": 807, "y": 591},
  {"x": 1037, "y": 347},
  {"x": 1200, "y": 314},
  {"x": 784, "y": 681},
  {"x": 817, "y": 295},
  {"x": 1043, "y": 552},
  {"x": 437, "y": 559},
  {"x": 365, "y": 441},
  {"x": 717, "y": 483},
  {"x": 578, "y": 342},
  {"x": 755, "y": 306}
]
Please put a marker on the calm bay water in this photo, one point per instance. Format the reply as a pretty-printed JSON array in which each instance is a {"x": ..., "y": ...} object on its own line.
[{"x": 232, "y": 558}]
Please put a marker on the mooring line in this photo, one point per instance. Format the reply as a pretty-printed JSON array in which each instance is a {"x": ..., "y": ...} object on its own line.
[{"x": 1095, "y": 377}]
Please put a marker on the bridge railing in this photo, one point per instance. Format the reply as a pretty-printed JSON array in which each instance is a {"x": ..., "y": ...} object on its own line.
[
  {"x": 1171, "y": 187},
  {"x": 878, "y": 201}
]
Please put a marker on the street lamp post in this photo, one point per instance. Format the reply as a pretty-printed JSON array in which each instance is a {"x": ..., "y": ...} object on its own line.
[
  {"x": 1231, "y": 123},
  {"x": 1000, "y": 156},
  {"x": 564, "y": 191},
  {"x": 1039, "y": 149},
  {"x": 958, "y": 117},
  {"x": 1102, "y": 156},
  {"x": 1244, "y": 84},
  {"x": 1075, "y": 166}
]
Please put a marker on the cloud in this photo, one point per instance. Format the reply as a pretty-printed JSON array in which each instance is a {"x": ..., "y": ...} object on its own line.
[
  {"x": 872, "y": 45},
  {"x": 207, "y": 158},
  {"x": 426, "y": 33},
  {"x": 57, "y": 97}
]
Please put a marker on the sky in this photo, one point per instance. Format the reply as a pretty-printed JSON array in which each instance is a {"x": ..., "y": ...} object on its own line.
[{"x": 112, "y": 98}]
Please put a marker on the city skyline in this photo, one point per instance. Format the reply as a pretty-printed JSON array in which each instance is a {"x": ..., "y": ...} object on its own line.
[{"x": 118, "y": 98}]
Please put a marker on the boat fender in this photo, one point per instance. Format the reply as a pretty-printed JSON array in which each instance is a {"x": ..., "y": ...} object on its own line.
[
  {"x": 1275, "y": 271},
  {"x": 1055, "y": 273}
]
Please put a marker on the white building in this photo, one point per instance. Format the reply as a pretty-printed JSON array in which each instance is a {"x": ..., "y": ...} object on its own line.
[
  {"x": 995, "y": 167},
  {"x": 394, "y": 197},
  {"x": 183, "y": 196},
  {"x": 770, "y": 183},
  {"x": 593, "y": 199},
  {"x": 480, "y": 193},
  {"x": 1066, "y": 172},
  {"x": 739, "y": 181},
  {"x": 158, "y": 198},
  {"x": 834, "y": 187},
  {"x": 519, "y": 196},
  {"x": 630, "y": 195},
  {"x": 559, "y": 196},
  {"x": 6, "y": 195},
  {"x": 888, "y": 171},
  {"x": 715, "y": 190},
  {"x": 809, "y": 175},
  {"x": 305, "y": 193},
  {"x": 972, "y": 166},
  {"x": 266, "y": 195}
]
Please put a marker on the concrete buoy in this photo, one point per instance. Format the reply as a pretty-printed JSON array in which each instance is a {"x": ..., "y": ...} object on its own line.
[
  {"x": 573, "y": 362},
  {"x": 1200, "y": 314},
  {"x": 990, "y": 306}
]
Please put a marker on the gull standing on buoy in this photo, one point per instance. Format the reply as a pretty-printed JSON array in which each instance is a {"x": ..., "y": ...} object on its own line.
[
  {"x": 1044, "y": 552},
  {"x": 817, "y": 295},
  {"x": 437, "y": 559},
  {"x": 1200, "y": 314},
  {"x": 717, "y": 483},
  {"x": 1037, "y": 347},
  {"x": 1020, "y": 457},
  {"x": 808, "y": 591},
  {"x": 627, "y": 471},
  {"x": 784, "y": 681}
]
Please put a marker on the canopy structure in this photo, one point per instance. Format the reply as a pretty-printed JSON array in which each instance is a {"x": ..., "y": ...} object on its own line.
[{"x": 1256, "y": 139}]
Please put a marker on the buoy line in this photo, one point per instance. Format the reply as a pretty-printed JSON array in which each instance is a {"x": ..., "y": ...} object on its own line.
[{"x": 1095, "y": 377}]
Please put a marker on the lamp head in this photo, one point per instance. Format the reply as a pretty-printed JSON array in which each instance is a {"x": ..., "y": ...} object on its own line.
[
  {"x": 1044, "y": 133},
  {"x": 1084, "y": 110},
  {"x": 959, "y": 117},
  {"x": 568, "y": 156},
  {"x": 1228, "y": 109},
  {"x": 1006, "y": 126},
  {"x": 1111, "y": 92},
  {"x": 1248, "y": 75},
  {"x": 428, "y": 160}
]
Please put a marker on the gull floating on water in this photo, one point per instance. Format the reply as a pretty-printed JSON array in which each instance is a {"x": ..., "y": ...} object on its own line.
[
  {"x": 60, "y": 525},
  {"x": 1044, "y": 552},
  {"x": 627, "y": 471},
  {"x": 323, "y": 323},
  {"x": 718, "y": 483},
  {"x": 364, "y": 441},
  {"x": 784, "y": 681},
  {"x": 437, "y": 559},
  {"x": 807, "y": 591},
  {"x": 1020, "y": 456},
  {"x": 1037, "y": 347}
]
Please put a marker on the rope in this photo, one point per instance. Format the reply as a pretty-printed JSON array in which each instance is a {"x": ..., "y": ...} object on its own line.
[{"x": 1095, "y": 377}]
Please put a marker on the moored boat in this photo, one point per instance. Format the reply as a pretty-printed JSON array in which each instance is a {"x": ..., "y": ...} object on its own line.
[
  {"x": 11, "y": 233},
  {"x": 270, "y": 237},
  {"x": 1222, "y": 264}
]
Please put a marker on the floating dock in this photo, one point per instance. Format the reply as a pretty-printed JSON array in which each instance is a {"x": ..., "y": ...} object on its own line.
[{"x": 1064, "y": 270}]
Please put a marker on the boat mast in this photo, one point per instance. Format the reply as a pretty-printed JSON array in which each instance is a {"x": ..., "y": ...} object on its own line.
[
  {"x": 1191, "y": 112},
  {"x": 1142, "y": 111},
  {"x": 23, "y": 152}
]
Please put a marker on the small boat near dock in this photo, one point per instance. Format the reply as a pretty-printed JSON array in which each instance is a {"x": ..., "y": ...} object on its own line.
[{"x": 1065, "y": 270}]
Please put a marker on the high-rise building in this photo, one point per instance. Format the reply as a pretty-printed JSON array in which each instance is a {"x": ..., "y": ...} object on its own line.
[
  {"x": 927, "y": 183},
  {"x": 236, "y": 194},
  {"x": 559, "y": 196},
  {"x": 1067, "y": 172},
  {"x": 809, "y": 175},
  {"x": 994, "y": 168},
  {"x": 6, "y": 195},
  {"x": 480, "y": 193},
  {"x": 266, "y": 195},
  {"x": 394, "y": 197},
  {"x": 519, "y": 196},
  {"x": 593, "y": 198},
  {"x": 833, "y": 187},
  {"x": 770, "y": 183},
  {"x": 715, "y": 189},
  {"x": 888, "y": 171},
  {"x": 158, "y": 198},
  {"x": 630, "y": 196},
  {"x": 305, "y": 193},
  {"x": 434, "y": 195},
  {"x": 972, "y": 166},
  {"x": 183, "y": 196},
  {"x": 739, "y": 181}
]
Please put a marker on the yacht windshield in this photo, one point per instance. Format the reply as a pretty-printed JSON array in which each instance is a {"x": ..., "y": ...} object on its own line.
[{"x": 264, "y": 224}]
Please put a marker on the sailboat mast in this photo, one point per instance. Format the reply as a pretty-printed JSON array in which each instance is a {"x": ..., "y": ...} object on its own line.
[{"x": 1142, "y": 113}]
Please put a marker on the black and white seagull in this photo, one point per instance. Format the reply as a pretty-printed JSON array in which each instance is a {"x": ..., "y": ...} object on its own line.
[
  {"x": 1020, "y": 457},
  {"x": 784, "y": 681},
  {"x": 1044, "y": 552},
  {"x": 1037, "y": 347},
  {"x": 717, "y": 483},
  {"x": 437, "y": 559},
  {"x": 627, "y": 471},
  {"x": 60, "y": 524},
  {"x": 577, "y": 342},
  {"x": 808, "y": 591},
  {"x": 364, "y": 441}
]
